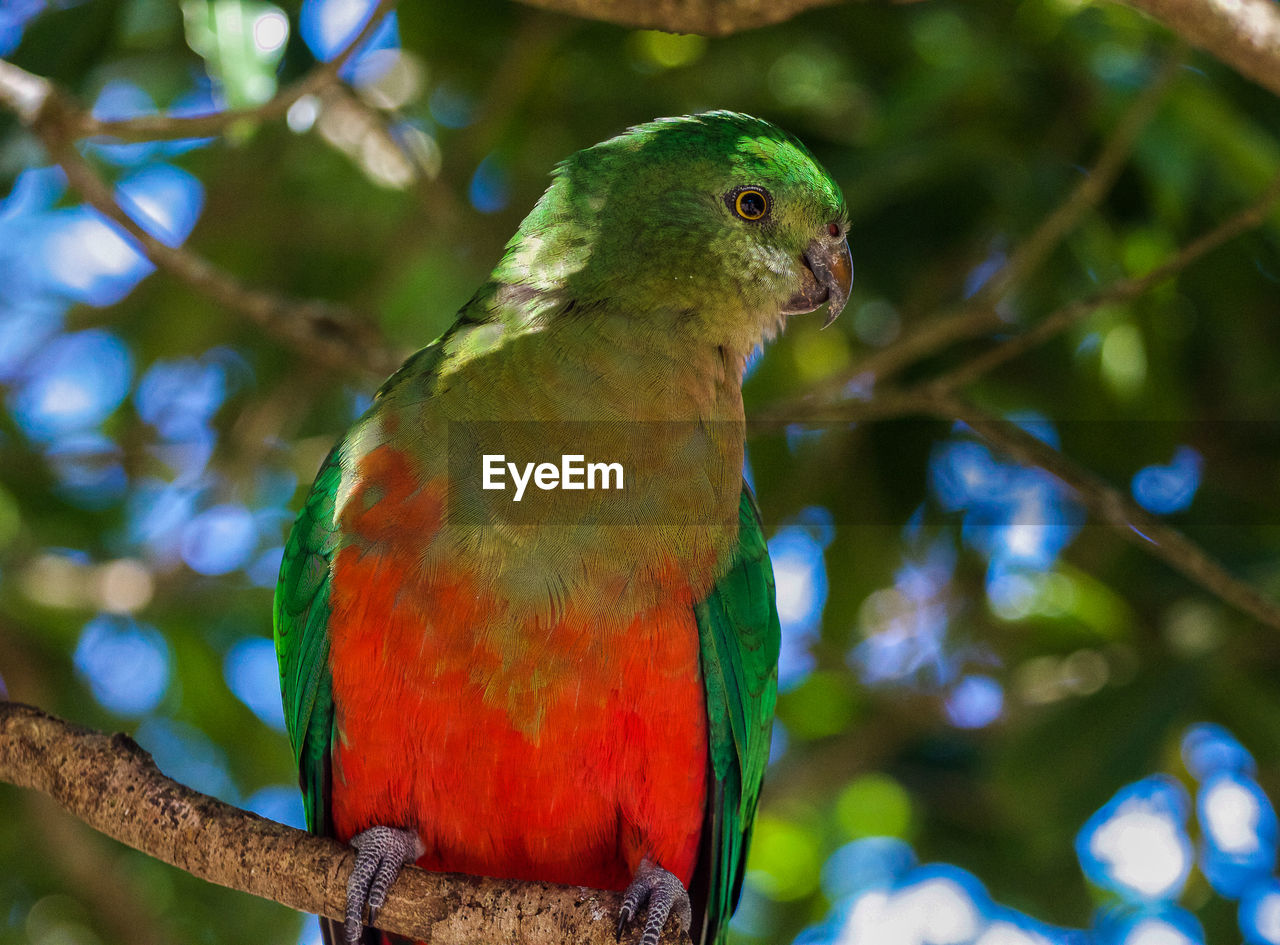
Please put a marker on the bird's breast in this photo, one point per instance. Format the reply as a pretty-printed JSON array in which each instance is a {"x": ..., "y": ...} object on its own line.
[{"x": 561, "y": 743}]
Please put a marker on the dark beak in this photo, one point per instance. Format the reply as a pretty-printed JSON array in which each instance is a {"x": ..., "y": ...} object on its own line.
[{"x": 827, "y": 277}]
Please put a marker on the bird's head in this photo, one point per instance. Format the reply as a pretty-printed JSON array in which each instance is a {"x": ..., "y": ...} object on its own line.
[{"x": 716, "y": 225}]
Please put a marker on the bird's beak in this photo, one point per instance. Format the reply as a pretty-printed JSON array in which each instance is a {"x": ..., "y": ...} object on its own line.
[{"x": 827, "y": 277}]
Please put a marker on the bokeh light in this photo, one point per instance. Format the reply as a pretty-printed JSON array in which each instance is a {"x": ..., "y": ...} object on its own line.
[
  {"x": 1239, "y": 832},
  {"x": 1168, "y": 489},
  {"x": 1260, "y": 913},
  {"x": 1137, "y": 844},
  {"x": 14, "y": 15},
  {"x": 1136, "y": 847},
  {"x": 975, "y": 702},
  {"x": 251, "y": 672},
  {"x": 219, "y": 539},
  {"x": 72, "y": 384},
  {"x": 328, "y": 26},
  {"x": 489, "y": 190},
  {"x": 279, "y": 802},
  {"x": 904, "y": 627},
  {"x": 801, "y": 578},
  {"x": 1019, "y": 517},
  {"x": 118, "y": 100},
  {"x": 89, "y": 469},
  {"x": 1167, "y": 926},
  {"x": 187, "y": 755},
  {"x": 125, "y": 663},
  {"x": 1209, "y": 749}
]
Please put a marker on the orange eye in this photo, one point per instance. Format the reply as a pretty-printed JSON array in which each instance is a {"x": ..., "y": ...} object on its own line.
[{"x": 750, "y": 203}]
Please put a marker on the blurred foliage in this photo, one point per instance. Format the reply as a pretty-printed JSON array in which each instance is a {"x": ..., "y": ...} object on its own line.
[{"x": 968, "y": 666}]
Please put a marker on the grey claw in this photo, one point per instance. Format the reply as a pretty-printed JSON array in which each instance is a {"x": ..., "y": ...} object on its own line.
[
  {"x": 380, "y": 854},
  {"x": 662, "y": 894}
]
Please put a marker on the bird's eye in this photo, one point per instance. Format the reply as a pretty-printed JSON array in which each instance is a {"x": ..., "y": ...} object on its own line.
[{"x": 750, "y": 203}]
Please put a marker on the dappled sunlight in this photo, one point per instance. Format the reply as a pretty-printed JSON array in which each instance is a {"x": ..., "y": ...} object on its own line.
[
  {"x": 329, "y": 26},
  {"x": 801, "y": 576},
  {"x": 186, "y": 754},
  {"x": 1137, "y": 847},
  {"x": 251, "y": 672},
  {"x": 126, "y": 664},
  {"x": 1167, "y": 489},
  {"x": 1137, "y": 844}
]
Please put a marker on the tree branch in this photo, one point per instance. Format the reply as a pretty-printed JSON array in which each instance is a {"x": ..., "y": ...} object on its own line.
[
  {"x": 170, "y": 127},
  {"x": 113, "y": 785},
  {"x": 708, "y": 17},
  {"x": 326, "y": 332},
  {"x": 863, "y": 403},
  {"x": 1093, "y": 186},
  {"x": 1108, "y": 505},
  {"x": 1113, "y": 508},
  {"x": 1120, "y": 291},
  {"x": 22, "y": 93},
  {"x": 1245, "y": 34},
  {"x": 978, "y": 316}
]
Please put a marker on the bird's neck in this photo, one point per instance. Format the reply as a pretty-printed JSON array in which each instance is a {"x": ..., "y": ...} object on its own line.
[{"x": 651, "y": 375}]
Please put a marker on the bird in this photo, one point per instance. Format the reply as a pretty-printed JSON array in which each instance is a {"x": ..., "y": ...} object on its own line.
[{"x": 577, "y": 687}]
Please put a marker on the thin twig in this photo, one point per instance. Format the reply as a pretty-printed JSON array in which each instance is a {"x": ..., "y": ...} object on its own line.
[
  {"x": 323, "y": 331},
  {"x": 1093, "y": 186},
  {"x": 978, "y": 316},
  {"x": 326, "y": 332},
  {"x": 1107, "y": 504},
  {"x": 169, "y": 127},
  {"x": 1111, "y": 507},
  {"x": 1119, "y": 291}
]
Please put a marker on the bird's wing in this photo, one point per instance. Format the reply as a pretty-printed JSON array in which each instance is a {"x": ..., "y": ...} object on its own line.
[
  {"x": 301, "y": 620},
  {"x": 301, "y": 615},
  {"x": 739, "y": 639}
]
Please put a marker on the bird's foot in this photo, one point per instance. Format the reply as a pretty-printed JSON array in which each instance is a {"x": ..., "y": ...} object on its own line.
[
  {"x": 662, "y": 894},
  {"x": 380, "y": 853}
]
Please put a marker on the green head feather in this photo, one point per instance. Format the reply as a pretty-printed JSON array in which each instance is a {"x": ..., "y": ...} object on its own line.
[{"x": 648, "y": 223}]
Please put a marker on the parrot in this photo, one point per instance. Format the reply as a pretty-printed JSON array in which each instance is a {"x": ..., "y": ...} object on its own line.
[{"x": 585, "y": 694}]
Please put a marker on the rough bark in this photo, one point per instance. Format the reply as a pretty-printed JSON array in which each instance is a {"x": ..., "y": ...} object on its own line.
[
  {"x": 708, "y": 17},
  {"x": 110, "y": 783},
  {"x": 1245, "y": 34}
]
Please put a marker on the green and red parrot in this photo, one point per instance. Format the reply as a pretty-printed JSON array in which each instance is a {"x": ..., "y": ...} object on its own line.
[{"x": 580, "y": 700}]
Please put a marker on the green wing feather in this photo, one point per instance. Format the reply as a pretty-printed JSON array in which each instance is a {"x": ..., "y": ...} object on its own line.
[
  {"x": 739, "y": 638},
  {"x": 301, "y": 620},
  {"x": 301, "y": 616}
]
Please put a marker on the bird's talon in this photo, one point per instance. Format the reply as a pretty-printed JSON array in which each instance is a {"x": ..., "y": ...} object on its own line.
[
  {"x": 625, "y": 914},
  {"x": 662, "y": 894},
  {"x": 380, "y": 854}
]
